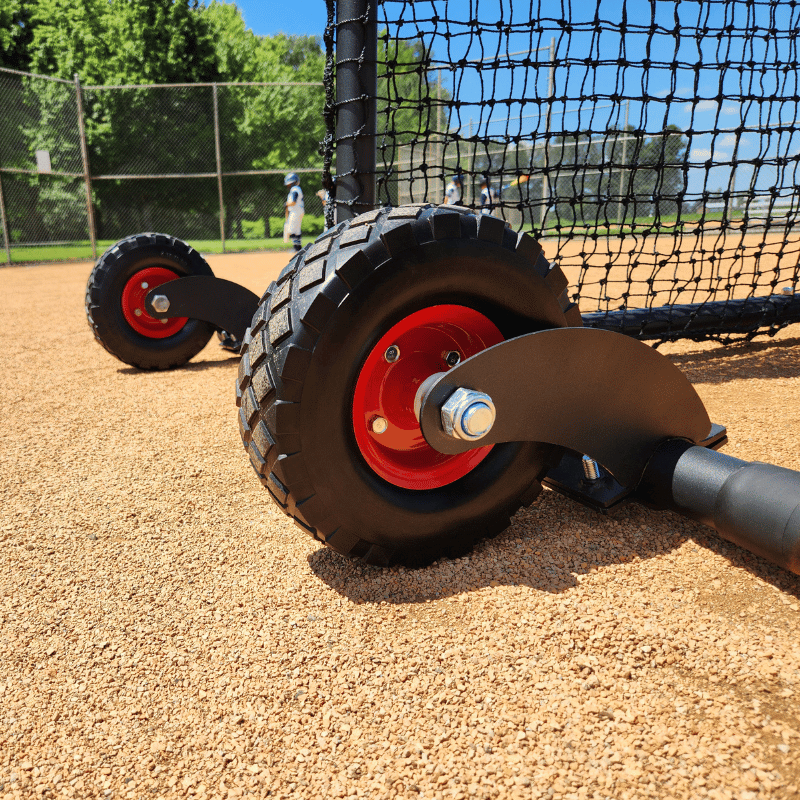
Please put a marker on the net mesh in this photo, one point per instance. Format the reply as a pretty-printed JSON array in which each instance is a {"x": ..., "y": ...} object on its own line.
[{"x": 652, "y": 146}]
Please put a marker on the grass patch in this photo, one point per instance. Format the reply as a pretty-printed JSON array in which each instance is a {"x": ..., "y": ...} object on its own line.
[{"x": 82, "y": 251}]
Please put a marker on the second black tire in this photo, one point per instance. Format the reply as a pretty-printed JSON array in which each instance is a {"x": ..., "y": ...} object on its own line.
[
  {"x": 309, "y": 342},
  {"x": 115, "y": 308}
]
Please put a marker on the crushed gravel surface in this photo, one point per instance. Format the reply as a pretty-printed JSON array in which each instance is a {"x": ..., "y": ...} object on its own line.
[{"x": 166, "y": 632}]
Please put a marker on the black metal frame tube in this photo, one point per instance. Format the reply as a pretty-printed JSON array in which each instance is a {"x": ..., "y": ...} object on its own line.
[
  {"x": 698, "y": 320},
  {"x": 356, "y": 106},
  {"x": 754, "y": 505}
]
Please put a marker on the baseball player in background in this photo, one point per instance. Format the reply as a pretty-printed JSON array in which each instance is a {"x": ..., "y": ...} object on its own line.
[
  {"x": 452, "y": 193},
  {"x": 295, "y": 209},
  {"x": 488, "y": 197}
]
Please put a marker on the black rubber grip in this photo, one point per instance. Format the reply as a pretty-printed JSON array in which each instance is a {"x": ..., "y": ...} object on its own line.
[{"x": 754, "y": 505}]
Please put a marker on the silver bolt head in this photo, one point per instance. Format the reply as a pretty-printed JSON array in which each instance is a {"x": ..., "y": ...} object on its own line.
[
  {"x": 161, "y": 303},
  {"x": 145, "y": 285},
  {"x": 379, "y": 425},
  {"x": 468, "y": 415},
  {"x": 137, "y": 312},
  {"x": 477, "y": 420},
  {"x": 788, "y": 290}
]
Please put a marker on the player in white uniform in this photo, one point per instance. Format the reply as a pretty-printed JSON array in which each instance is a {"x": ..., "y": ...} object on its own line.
[
  {"x": 327, "y": 201},
  {"x": 452, "y": 194},
  {"x": 487, "y": 198},
  {"x": 295, "y": 209}
]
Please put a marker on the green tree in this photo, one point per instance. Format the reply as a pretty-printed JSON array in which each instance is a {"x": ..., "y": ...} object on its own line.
[
  {"x": 123, "y": 41},
  {"x": 16, "y": 34},
  {"x": 167, "y": 130},
  {"x": 266, "y": 127}
]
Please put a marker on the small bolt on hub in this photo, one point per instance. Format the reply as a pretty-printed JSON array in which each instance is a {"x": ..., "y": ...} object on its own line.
[
  {"x": 392, "y": 354},
  {"x": 453, "y": 358},
  {"x": 379, "y": 425}
]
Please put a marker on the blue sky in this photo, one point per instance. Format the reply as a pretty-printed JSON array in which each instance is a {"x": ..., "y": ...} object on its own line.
[
  {"x": 295, "y": 17},
  {"x": 676, "y": 87}
]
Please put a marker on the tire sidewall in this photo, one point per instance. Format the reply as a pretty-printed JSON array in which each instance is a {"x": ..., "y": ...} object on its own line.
[
  {"x": 117, "y": 334},
  {"x": 486, "y": 277}
]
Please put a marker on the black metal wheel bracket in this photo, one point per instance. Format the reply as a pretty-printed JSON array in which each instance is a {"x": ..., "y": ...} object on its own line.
[{"x": 223, "y": 303}]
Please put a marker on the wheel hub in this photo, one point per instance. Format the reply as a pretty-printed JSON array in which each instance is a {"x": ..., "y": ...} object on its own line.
[
  {"x": 133, "y": 307},
  {"x": 386, "y": 427}
]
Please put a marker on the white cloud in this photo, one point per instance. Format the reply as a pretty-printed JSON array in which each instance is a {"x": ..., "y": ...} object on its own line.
[
  {"x": 726, "y": 141},
  {"x": 699, "y": 154},
  {"x": 703, "y": 105},
  {"x": 730, "y": 109}
]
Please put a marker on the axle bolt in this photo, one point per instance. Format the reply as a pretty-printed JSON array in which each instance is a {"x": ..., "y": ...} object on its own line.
[
  {"x": 452, "y": 358},
  {"x": 161, "y": 303},
  {"x": 591, "y": 469},
  {"x": 379, "y": 425},
  {"x": 468, "y": 415},
  {"x": 392, "y": 353}
]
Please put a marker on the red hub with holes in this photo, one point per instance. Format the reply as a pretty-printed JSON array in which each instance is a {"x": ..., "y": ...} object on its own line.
[
  {"x": 133, "y": 295},
  {"x": 386, "y": 428}
]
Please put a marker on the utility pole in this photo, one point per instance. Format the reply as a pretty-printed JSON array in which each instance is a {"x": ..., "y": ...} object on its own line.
[
  {"x": 218, "y": 153},
  {"x": 87, "y": 179},
  {"x": 4, "y": 223}
]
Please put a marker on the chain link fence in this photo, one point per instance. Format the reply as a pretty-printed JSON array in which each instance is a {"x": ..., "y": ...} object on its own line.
[{"x": 84, "y": 166}]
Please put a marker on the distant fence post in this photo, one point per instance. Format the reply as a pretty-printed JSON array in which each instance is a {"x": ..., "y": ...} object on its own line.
[
  {"x": 4, "y": 222},
  {"x": 356, "y": 106},
  {"x": 218, "y": 152},
  {"x": 87, "y": 179}
]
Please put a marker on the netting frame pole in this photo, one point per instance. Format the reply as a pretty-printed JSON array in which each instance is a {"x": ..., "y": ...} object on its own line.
[
  {"x": 87, "y": 176},
  {"x": 4, "y": 222},
  {"x": 624, "y": 163},
  {"x": 439, "y": 115},
  {"x": 356, "y": 107},
  {"x": 218, "y": 156},
  {"x": 551, "y": 90}
]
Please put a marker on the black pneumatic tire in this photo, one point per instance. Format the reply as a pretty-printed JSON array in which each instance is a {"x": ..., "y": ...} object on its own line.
[
  {"x": 104, "y": 291},
  {"x": 309, "y": 338}
]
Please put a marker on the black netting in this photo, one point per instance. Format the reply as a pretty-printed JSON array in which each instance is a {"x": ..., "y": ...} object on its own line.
[{"x": 652, "y": 146}]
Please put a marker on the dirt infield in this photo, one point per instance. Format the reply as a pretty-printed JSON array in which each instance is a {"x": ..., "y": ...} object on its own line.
[
  {"x": 165, "y": 632},
  {"x": 680, "y": 268}
]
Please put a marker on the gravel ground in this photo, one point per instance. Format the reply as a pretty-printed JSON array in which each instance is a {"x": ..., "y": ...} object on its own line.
[{"x": 165, "y": 632}]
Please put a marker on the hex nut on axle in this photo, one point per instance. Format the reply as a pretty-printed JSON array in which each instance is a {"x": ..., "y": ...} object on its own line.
[
  {"x": 160, "y": 303},
  {"x": 468, "y": 415}
]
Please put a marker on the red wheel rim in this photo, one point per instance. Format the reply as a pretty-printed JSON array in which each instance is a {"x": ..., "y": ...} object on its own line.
[
  {"x": 133, "y": 295},
  {"x": 386, "y": 391}
]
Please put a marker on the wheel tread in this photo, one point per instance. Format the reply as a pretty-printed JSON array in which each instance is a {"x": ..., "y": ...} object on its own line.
[
  {"x": 276, "y": 361},
  {"x": 102, "y": 319}
]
